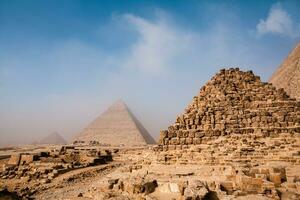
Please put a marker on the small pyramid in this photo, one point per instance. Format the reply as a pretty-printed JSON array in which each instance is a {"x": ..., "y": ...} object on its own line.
[
  {"x": 116, "y": 126},
  {"x": 53, "y": 138},
  {"x": 234, "y": 102},
  {"x": 287, "y": 76}
]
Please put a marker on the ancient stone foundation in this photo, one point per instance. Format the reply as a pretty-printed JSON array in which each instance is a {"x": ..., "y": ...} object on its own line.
[{"x": 35, "y": 169}]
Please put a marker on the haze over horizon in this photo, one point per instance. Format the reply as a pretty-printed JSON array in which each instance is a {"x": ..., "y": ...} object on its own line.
[{"x": 62, "y": 63}]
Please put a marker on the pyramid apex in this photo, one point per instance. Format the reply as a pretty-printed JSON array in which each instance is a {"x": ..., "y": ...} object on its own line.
[
  {"x": 120, "y": 101},
  {"x": 119, "y": 104}
]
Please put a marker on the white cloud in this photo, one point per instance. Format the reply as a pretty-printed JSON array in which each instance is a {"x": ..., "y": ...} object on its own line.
[
  {"x": 278, "y": 22},
  {"x": 158, "y": 43}
]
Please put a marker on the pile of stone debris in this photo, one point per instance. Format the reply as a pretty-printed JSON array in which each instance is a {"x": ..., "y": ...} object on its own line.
[
  {"x": 234, "y": 102},
  {"x": 239, "y": 121},
  {"x": 43, "y": 167}
]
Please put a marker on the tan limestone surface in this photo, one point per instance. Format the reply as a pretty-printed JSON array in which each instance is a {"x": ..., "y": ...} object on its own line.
[
  {"x": 234, "y": 102},
  {"x": 116, "y": 126},
  {"x": 287, "y": 75}
]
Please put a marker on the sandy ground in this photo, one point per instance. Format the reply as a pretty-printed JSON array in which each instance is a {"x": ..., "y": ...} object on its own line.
[{"x": 70, "y": 184}]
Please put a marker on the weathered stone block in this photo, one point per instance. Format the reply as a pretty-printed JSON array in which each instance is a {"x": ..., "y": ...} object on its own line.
[
  {"x": 275, "y": 178},
  {"x": 166, "y": 141},
  {"x": 261, "y": 176},
  {"x": 196, "y": 140},
  {"x": 178, "y": 147},
  {"x": 174, "y": 141},
  {"x": 182, "y": 141},
  {"x": 163, "y": 133},
  {"x": 191, "y": 134},
  {"x": 171, "y": 147},
  {"x": 199, "y": 134},
  {"x": 227, "y": 186},
  {"x": 14, "y": 159},
  {"x": 27, "y": 158},
  {"x": 171, "y": 134},
  {"x": 189, "y": 140}
]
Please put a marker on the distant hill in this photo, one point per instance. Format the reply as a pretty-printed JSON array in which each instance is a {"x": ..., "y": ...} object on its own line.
[
  {"x": 287, "y": 76},
  {"x": 53, "y": 138}
]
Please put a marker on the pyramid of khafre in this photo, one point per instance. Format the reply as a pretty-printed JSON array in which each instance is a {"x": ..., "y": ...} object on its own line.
[
  {"x": 53, "y": 138},
  {"x": 116, "y": 126},
  {"x": 287, "y": 76},
  {"x": 234, "y": 102}
]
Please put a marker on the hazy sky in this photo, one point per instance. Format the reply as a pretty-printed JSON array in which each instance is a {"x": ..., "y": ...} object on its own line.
[{"x": 63, "y": 62}]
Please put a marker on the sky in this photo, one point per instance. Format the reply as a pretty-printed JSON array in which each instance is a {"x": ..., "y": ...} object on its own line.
[{"x": 63, "y": 62}]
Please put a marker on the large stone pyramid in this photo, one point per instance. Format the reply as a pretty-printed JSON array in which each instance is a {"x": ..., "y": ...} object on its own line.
[
  {"x": 247, "y": 129},
  {"x": 53, "y": 138},
  {"x": 116, "y": 126},
  {"x": 287, "y": 76},
  {"x": 234, "y": 102}
]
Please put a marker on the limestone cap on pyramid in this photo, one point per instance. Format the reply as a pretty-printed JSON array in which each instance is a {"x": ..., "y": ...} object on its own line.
[{"x": 117, "y": 126}]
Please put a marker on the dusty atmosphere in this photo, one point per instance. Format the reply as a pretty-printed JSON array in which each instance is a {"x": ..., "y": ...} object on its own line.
[
  {"x": 237, "y": 139},
  {"x": 93, "y": 100}
]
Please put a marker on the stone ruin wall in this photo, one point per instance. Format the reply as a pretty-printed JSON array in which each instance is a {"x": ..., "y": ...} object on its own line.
[
  {"x": 234, "y": 102},
  {"x": 235, "y": 119}
]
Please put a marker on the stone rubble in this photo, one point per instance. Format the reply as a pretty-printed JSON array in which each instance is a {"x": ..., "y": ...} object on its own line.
[
  {"x": 43, "y": 167},
  {"x": 234, "y": 102},
  {"x": 239, "y": 121}
]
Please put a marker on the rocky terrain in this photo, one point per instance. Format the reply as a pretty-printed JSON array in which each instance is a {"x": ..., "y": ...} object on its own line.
[{"x": 238, "y": 139}]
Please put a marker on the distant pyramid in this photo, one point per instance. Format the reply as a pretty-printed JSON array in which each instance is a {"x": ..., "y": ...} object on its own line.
[
  {"x": 116, "y": 126},
  {"x": 287, "y": 76},
  {"x": 53, "y": 138}
]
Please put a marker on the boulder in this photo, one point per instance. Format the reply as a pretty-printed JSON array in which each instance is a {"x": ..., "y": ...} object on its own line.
[{"x": 195, "y": 190}]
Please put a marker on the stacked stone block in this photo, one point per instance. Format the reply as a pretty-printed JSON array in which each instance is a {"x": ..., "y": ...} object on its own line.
[
  {"x": 45, "y": 166},
  {"x": 233, "y": 102}
]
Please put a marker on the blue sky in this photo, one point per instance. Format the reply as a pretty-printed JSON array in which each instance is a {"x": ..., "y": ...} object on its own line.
[{"x": 63, "y": 62}]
